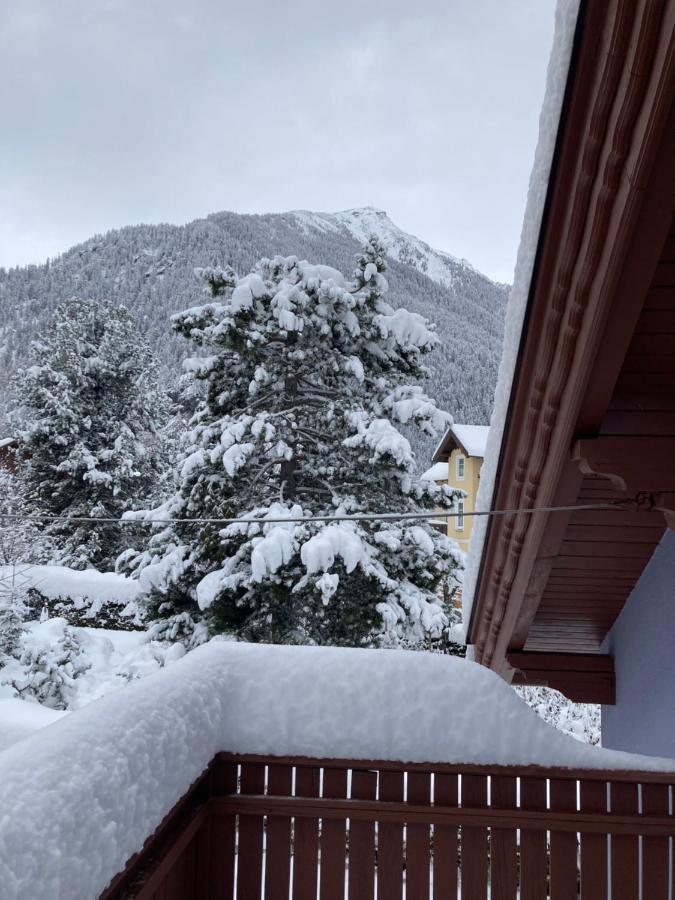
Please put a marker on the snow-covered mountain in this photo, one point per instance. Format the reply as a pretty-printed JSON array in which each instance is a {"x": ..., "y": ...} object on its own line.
[
  {"x": 441, "y": 267},
  {"x": 150, "y": 268}
]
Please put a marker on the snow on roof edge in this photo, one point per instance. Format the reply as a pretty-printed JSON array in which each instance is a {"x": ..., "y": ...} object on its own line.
[
  {"x": 558, "y": 69},
  {"x": 472, "y": 437},
  {"x": 437, "y": 472},
  {"x": 80, "y": 796}
]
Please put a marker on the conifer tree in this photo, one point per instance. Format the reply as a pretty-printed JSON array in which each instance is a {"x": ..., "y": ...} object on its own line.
[
  {"x": 18, "y": 538},
  {"x": 50, "y": 662},
  {"x": 89, "y": 406},
  {"x": 308, "y": 381}
]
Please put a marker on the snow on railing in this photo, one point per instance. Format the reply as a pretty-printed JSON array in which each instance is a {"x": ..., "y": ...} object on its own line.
[{"x": 80, "y": 797}]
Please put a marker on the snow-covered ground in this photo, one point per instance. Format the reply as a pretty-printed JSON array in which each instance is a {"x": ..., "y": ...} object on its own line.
[
  {"x": 113, "y": 659},
  {"x": 19, "y": 719}
]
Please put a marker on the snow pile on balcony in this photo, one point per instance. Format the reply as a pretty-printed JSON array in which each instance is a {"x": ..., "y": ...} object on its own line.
[
  {"x": 20, "y": 719},
  {"x": 563, "y": 39},
  {"x": 78, "y": 798}
]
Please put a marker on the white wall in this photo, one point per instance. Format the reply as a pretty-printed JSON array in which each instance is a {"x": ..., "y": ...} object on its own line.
[{"x": 642, "y": 642}]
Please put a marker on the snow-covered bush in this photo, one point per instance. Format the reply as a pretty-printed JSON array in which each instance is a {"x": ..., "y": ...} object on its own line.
[
  {"x": 89, "y": 408},
  {"x": 83, "y": 610},
  {"x": 88, "y": 598},
  {"x": 578, "y": 720},
  {"x": 450, "y": 640},
  {"x": 309, "y": 381},
  {"x": 179, "y": 628},
  {"x": 50, "y": 661},
  {"x": 67, "y": 667}
]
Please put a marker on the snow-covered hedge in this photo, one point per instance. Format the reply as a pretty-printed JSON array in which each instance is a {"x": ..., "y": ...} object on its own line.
[
  {"x": 87, "y": 597},
  {"x": 78, "y": 798}
]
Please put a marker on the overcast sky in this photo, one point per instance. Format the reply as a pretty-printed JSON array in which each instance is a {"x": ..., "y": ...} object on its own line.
[{"x": 115, "y": 112}]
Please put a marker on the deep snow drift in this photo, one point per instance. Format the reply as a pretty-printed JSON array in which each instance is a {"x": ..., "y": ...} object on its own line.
[
  {"x": 18, "y": 719},
  {"x": 78, "y": 798}
]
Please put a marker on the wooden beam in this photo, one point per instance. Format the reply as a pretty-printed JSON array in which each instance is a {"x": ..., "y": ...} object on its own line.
[
  {"x": 583, "y": 677},
  {"x": 633, "y": 463}
]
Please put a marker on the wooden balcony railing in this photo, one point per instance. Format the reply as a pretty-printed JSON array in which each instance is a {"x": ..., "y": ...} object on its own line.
[{"x": 255, "y": 828}]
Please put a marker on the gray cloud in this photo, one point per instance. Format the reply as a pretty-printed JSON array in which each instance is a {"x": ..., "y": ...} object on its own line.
[{"x": 116, "y": 112}]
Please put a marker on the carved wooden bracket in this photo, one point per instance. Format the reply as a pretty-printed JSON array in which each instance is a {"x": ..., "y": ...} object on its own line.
[{"x": 641, "y": 464}]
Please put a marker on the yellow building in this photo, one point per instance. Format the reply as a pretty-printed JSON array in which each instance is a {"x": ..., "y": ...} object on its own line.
[{"x": 457, "y": 462}]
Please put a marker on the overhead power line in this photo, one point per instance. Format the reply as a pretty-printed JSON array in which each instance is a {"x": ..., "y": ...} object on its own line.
[{"x": 640, "y": 503}]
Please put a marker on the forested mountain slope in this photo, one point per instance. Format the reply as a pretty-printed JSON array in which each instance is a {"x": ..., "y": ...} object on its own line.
[{"x": 149, "y": 268}]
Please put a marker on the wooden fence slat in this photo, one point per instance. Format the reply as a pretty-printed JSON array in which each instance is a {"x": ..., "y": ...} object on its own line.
[
  {"x": 625, "y": 875},
  {"x": 503, "y": 851},
  {"x": 655, "y": 801},
  {"x": 563, "y": 796},
  {"x": 203, "y": 855},
  {"x": 181, "y": 880},
  {"x": 418, "y": 851},
  {"x": 333, "y": 839},
  {"x": 250, "y": 854},
  {"x": 203, "y": 839},
  {"x": 306, "y": 837},
  {"x": 362, "y": 841},
  {"x": 474, "y": 841},
  {"x": 194, "y": 852},
  {"x": 593, "y": 846},
  {"x": 445, "y": 841},
  {"x": 390, "y": 842},
  {"x": 222, "y": 836},
  {"x": 533, "y": 853},
  {"x": 278, "y": 845}
]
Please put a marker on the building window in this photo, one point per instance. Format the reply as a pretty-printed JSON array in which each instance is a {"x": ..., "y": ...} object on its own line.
[
  {"x": 460, "y": 466},
  {"x": 459, "y": 521}
]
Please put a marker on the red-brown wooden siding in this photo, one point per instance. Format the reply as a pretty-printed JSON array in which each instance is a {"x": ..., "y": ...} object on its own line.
[
  {"x": 603, "y": 554},
  {"x": 310, "y": 828}
]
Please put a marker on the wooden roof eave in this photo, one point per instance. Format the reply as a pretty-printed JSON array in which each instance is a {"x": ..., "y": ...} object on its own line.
[
  {"x": 449, "y": 443},
  {"x": 594, "y": 258}
]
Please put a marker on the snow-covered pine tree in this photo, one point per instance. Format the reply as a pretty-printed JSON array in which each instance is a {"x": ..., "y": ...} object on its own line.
[
  {"x": 18, "y": 538},
  {"x": 50, "y": 662},
  {"x": 89, "y": 405},
  {"x": 308, "y": 380}
]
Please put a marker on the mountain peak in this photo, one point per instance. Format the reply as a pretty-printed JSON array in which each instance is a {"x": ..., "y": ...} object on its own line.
[
  {"x": 363, "y": 221},
  {"x": 364, "y": 211}
]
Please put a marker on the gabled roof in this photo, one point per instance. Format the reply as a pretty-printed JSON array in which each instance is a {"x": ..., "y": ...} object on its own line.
[
  {"x": 470, "y": 439},
  {"x": 585, "y": 399}
]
